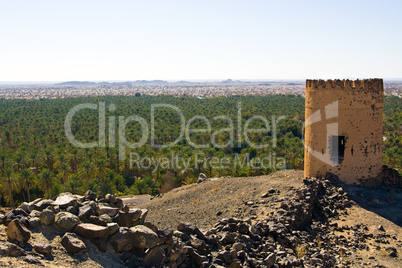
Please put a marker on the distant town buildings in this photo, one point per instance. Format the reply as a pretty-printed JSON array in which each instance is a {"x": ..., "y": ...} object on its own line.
[{"x": 196, "y": 89}]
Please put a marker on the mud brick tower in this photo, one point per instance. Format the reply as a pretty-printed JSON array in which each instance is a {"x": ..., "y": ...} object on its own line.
[{"x": 344, "y": 129}]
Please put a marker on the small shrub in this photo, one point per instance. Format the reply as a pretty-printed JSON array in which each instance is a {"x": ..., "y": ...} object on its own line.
[{"x": 190, "y": 180}]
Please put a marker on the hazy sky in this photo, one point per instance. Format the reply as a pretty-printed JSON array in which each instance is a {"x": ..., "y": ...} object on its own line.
[{"x": 169, "y": 39}]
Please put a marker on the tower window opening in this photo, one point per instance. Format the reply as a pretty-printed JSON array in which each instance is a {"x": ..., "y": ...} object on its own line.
[{"x": 337, "y": 148}]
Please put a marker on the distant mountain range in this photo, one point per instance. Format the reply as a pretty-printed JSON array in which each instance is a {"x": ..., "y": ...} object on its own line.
[
  {"x": 88, "y": 83},
  {"x": 77, "y": 83}
]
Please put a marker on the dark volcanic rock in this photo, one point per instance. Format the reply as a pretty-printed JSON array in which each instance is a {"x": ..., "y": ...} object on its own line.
[
  {"x": 201, "y": 177},
  {"x": 107, "y": 210},
  {"x": 89, "y": 230},
  {"x": 33, "y": 222},
  {"x": 102, "y": 220},
  {"x": 122, "y": 240},
  {"x": 100, "y": 243},
  {"x": 112, "y": 228},
  {"x": 47, "y": 216},
  {"x": 11, "y": 249},
  {"x": 43, "y": 248},
  {"x": 66, "y": 221},
  {"x": 17, "y": 232},
  {"x": 90, "y": 195},
  {"x": 127, "y": 219},
  {"x": 154, "y": 258},
  {"x": 41, "y": 205},
  {"x": 141, "y": 220},
  {"x": 73, "y": 210},
  {"x": 32, "y": 260},
  {"x": 72, "y": 243},
  {"x": 19, "y": 214},
  {"x": 110, "y": 198},
  {"x": 65, "y": 200},
  {"x": 86, "y": 211},
  {"x": 144, "y": 237}
]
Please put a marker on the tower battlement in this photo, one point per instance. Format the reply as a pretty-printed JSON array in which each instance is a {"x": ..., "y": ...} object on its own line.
[{"x": 374, "y": 84}]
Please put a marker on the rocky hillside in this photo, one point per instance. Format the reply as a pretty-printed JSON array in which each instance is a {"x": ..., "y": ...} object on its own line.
[{"x": 280, "y": 220}]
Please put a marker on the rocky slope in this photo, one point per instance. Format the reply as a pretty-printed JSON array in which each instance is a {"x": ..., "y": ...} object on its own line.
[{"x": 280, "y": 220}]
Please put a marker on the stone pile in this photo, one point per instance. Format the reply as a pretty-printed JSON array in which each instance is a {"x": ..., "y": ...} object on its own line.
[{"x": 88, "y": 217}]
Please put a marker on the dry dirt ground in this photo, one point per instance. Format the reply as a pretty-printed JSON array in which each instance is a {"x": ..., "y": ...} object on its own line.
[{"x": 205, "y": 203}]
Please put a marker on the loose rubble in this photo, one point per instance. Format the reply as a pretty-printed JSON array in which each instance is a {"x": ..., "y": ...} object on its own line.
[{"x": 298, "y": 233}]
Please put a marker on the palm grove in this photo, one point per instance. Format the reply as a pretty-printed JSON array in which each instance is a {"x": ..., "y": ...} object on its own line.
[{"x": 37, "y": 160}]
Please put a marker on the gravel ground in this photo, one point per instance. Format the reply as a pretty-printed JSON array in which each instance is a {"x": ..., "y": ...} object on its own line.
[{"x": 205, "y": 203}]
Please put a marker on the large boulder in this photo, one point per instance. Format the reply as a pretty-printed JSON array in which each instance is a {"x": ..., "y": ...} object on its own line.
[
  {"x": 107, "y": 210},
  {"x": 34, "y": 213},
  {"x": 72, "y": 243},
  {"x": 110, "y": 198},
  {"x": 112, "y": 228},
  {"x": 18, "y": 214},
  {"x": 85, "y": 211},
  {"x": 89, "y": 195},
  {"x": 32, "y": 203},
  {"x": 154, "y": 258},
  {"x": 41, "y": 204},
  {"x": 89, "y": 230},
  {"x": 11, "y": 249},
  {"x": 34, "y": 222},
  {"x": 118, "y": 204},
  {"x": 100, "y": 243},
  {"x": 141, "y": 220},
  {"x": 201, "y": 177},
  {"x": 144, "y": 237},
  {"x": 56, "y": 209},
  {"x": 80, "y": 199},
  {"x": 66, "y": 221},
  {"x": 127, "y": 219},
  {"x": 122, "y": 240},
  {"x": 73, "y": 210},
  {"x": 65, "y": 200},
  {"x": 25, "y": 206},
  {"x": 102, "y": 220},
  {"x": 17, "y": 232},
  {"x": 47, "y": 216}
]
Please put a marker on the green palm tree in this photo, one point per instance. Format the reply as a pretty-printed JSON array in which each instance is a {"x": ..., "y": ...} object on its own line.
[
  {"x": 49, "y": 157},
  {"x": 64, "y": 172},
  {"x": 46, "y": 181},
  {"x": 74, "y": 184},
  {"x": 87, "y": 171},
  {"x": 101, "y": 168},
  {"x": 19, "y": 159},
  {"x": 9, "y": 182},
  {"x": 27, "y": 181}
]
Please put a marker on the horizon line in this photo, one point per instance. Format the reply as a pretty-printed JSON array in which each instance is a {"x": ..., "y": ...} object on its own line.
[{"x": 180, "y": 80}]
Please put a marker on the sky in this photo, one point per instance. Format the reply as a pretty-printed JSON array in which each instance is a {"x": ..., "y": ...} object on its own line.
[{"x": 84, "y": 40}]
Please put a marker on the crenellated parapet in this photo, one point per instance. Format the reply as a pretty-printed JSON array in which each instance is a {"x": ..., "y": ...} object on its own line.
[{"x": 375, "y": 84}]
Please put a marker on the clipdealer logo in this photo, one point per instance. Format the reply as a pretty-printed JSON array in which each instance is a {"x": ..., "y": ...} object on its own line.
[{"x": 148, "y": 131}]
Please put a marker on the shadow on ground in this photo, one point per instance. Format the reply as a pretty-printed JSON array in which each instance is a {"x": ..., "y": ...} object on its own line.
[{"x": 386, "y": 201}]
